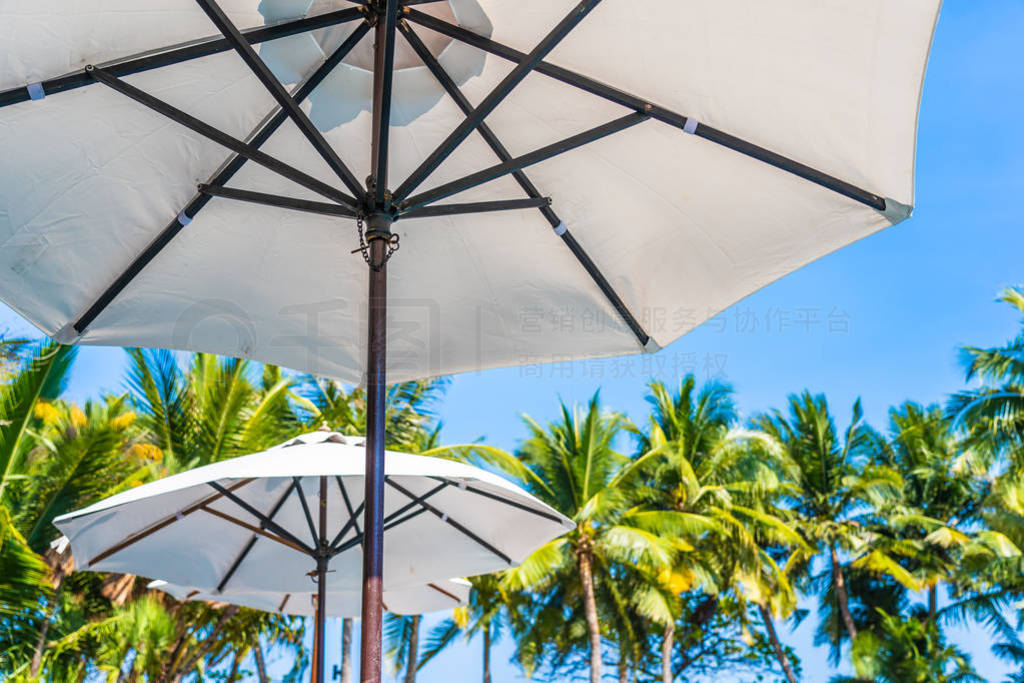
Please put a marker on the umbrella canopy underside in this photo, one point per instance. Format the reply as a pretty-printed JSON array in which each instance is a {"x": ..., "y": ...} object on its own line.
[
  {"x": 442, "y": 595},
  {"x": 759, "y": 136}
]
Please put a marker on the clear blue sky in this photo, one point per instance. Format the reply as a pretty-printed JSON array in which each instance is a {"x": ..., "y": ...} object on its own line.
[{"x": 909, "y": 296}]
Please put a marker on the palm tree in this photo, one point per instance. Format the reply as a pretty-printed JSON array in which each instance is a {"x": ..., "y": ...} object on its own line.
[
  {"x": 718, "y": 480},
  {"x": 402, "y": 638},
  {"x": 485, "y": 615},
  {"x": 944, "y": 486},
  {"x": 994, "y": 413},
  {"x": 908, "y": 650},
  {"x": 831, "y": 481},
  {"x": 575, "y": 468}
]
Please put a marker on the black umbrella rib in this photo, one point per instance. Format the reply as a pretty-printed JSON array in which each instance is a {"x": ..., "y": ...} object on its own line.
[
  {"x": 519, "y": 163},
  {"x": 252, "y": 542},
  {"x": 265, "y": 522},
  {"x": 234, "y": 144},
  {"x": 527, "y": 64},
  {"x": 450, "y": 522},
  {"x": 436, "y": 210},
  {"x": 353, "y": 514},
  {"x": 383, "y": 69},
  {"x": 529, "y": 188},
  {"x": 234, "y": 164},
  {"x": 390, "y": 521},
  {"x": 304, "y": 205},
  {"x": 205, "y": 47},
  {"x": 506, "y": 501},
  {"x": 297, "y": 487},
  {"x": 280, "y": 95},
  {"x": 657, "y": 112},
  {"x": 388, "y": 526}
]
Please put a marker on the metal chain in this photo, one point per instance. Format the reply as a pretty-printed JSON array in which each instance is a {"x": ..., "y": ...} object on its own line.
[{"x": 364, "y": 247}]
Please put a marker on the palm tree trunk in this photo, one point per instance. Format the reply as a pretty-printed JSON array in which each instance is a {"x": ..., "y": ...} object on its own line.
[
  {"x": 667, "y": 644},
  {"x": 842, "y": 597},
  {"x": 261, "y": 663},
  {"x": 37, "y": 656},
  {"x": 206, "y": 645},
  {"x": 933, "y": 602},
  {"x": 235, "y": 664},
  {"x": 414, "y": 650},
  {"x": 346, "y": 650},
  {"x": 590, "y": 609},
  {"x": 487, "y": 653},
  {"x": 773, "y": 636},
  {"x": 51, "y": 609},
  {"x": 623, "y": 667}
]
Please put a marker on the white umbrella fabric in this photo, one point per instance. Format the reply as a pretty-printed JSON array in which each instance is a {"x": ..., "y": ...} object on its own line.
[
  {"x": 277, "y": 521},
  {"x": 568, "y": 178},
  {"x": 442, "y": 595}
]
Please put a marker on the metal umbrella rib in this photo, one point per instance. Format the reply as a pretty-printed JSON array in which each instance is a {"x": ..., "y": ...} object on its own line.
[
  {"x": 252, "y": 542},
  {"x": 168, "y": 56},
  {"x": 234, "y": 144},
  {"x": 448, "y": 520},
  {"x": 641, "y": 105},
  {"x": 295, "y": 204},
  {"x": 257, "y": 139},
  {"x": 519, "y": 163},
  {"x": 435, "y": 210},
  {"x": 265, "y": 521},
  {"x": 278, "y": 92},
  {"x": 527, "y": 64},
  {"x": 524, "y": 181}
]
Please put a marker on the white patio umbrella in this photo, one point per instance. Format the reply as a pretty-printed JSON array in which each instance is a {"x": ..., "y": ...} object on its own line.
[
  {"x": 435, "y": 596},
  {"x": 267, "y": 530},
  {"x": 674, "y": 155}
]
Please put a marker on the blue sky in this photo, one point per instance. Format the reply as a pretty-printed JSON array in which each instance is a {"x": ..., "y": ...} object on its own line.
[{"x": 892, "y": 309}]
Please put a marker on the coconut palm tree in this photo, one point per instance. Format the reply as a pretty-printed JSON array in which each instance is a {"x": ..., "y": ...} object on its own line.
[
  {"x": 485, "y": 615},
  {"x": 944, "y": 485},
  {"x": 994, "y": 412},
  {"x": 721, "y": 481},
  {"x": 832, "y": 482},
  {"x": 575, "y": 468}
]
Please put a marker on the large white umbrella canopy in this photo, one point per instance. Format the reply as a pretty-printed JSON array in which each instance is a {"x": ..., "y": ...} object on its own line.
[
  {"x": 568, "y": 178},
  {"x": 443, "y": 595},
  {"x": 803, "y": 118},
  {"x": 251, "y": 524}
]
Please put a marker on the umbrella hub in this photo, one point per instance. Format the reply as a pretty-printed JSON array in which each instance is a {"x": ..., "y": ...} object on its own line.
[{"x": 377, "y": 227}]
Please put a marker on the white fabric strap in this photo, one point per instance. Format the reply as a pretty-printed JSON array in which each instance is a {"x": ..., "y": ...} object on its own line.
[
  {"x": 183, "y": 219},
  {"x": 179, "y": 516},
  {"x": 35, "y": 91},
  {"x": 691, "y": 125},
  {"x": 560, "y": 229}
]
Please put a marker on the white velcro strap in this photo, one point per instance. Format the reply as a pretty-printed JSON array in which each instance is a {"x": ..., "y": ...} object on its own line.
[
  {"x": 179, "y": 516},
  {"x": 444, "y": 518},
  {"x": 183, "y": 219},
  {"x": 691, "y": 125},
  {"x": 35, "y": 91},
  {"x": 560, "y": 229}
]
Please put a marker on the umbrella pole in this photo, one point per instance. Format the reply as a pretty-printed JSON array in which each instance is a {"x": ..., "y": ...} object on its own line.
[
  {"x": 320, "y": 618},
  {"x": 373, "y": 543}
]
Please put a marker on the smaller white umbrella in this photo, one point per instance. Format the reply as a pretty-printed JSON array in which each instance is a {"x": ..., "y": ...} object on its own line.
[
  {"x": 271, "y": 521},
  {"x": 433, "y": 597}
]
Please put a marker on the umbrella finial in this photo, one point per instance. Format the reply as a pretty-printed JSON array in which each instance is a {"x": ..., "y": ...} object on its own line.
[{"x": 324, "y": 427}]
